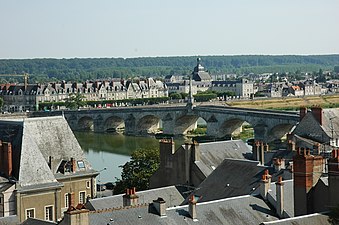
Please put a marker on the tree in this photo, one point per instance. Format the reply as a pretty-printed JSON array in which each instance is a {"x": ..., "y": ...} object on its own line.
[
  {"x": 75, "y": 101},
  {"x": 334, "y": 216},
  {"x": 175, "y": 95},
  {"x": 1, "y": 103},
  {"x": 137, "y": 172}
]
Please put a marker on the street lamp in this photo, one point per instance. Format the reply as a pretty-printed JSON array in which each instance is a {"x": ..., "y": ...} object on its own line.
[{"x": 99, "y": 181}]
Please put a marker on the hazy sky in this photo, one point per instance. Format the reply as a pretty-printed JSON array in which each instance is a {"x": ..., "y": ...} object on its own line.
[{"x": 133, "y": 28}]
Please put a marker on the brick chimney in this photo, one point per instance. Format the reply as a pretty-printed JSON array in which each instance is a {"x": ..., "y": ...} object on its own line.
[
  {"x": 278, "y": 164},
  {"x": 307, "y": 170},
  {"x": 160, "y": 206},
  {"x": 303, "y": 111},
  {"x": 256, "y": 150},
  {"x": 6, "y": 161},
  {"x": 265, "y": 184},
  {"x": 192, "y": 207},
  {"x": 317, "y": 149},
  {"x": 76, "y": 216},
  {"x": 74, "y": 165},
  {"x": 167, "y": 149},
  {"x": 262, "y": 154},
  {"x": 130, "y": 198},
  {"x": 333, "y": 178},
  {"x": 317, "y": 112},
  {"x": 71, "y": 199},
  {"x": 195, "y": 151},
  {"x": 280, "y": 197}
]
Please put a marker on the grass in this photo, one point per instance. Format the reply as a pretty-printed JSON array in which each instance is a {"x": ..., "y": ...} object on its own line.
[{"x": 291, "y": 103}]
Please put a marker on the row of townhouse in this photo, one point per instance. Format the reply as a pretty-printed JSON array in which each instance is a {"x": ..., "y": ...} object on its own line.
[
  {"x": 287, "y": 89},
  {"x": 203, "y": 81},
  {"x": 18, "y": 98}
]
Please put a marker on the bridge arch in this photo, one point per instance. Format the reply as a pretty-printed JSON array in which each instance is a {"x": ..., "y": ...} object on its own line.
[
  {"x": 277, "y": 132},
  {"x": 149, "y": 124},
  {"x": 185, "y": 123},
  {"x": 114, "y": 124},
  {"x": 86, "y": 123}
]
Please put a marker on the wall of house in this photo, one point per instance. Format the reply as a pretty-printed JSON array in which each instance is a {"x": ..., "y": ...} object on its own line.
[
  {"x": 38, "y": 200},
  {"x": 77, "y": 185}
]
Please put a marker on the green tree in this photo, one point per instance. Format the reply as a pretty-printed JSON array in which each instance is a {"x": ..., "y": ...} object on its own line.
[
  {"x": 1, "y": 102},
  {"x": 175, "y": 95},
  {"x": 137, "y": 172},
  {"x": 334, "y": 216},
  {"x": 75, "y": 101}
]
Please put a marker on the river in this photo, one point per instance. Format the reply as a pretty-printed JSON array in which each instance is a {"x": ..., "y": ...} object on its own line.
[{"x": 110, "y": 150}]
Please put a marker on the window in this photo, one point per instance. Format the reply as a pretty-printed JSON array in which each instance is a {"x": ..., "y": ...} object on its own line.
[
  {"x": 49, "y": 213},
  {"x": 81, "y": 164},
  {"x": 82, "y": 195},
  {"x": 66, "y": 200},
  {"x": 88, "y": 184},
  {"x": 30, "y": 213}
]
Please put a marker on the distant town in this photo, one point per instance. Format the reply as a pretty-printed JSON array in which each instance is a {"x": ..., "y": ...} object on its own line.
[
  {"x": 252, "y": 166},
  {"x": 110, "y": 92}
]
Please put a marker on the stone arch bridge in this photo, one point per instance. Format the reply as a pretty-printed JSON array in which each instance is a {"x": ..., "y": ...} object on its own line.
[{"x": 222, "y": 121}]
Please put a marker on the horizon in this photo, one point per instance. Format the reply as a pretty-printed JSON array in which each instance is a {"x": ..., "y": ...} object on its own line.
[
  {"x": 174, "y": 56},
  {"x": 132, "y": 29}
]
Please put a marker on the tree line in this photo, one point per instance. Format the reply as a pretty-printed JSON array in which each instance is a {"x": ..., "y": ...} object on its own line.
[{"x": 80, "y": 69}]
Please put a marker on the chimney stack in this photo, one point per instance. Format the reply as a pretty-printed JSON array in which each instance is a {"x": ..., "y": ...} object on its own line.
[
  {"x": 167, "y": 149},
  {"x": 74, "y": 165},
  {"x": 303, "y": 111},
  {"x": 262, "y": 153},
  {"x": 76, "y": 216},
  {"x": 278, "y": 164},
  {"x": 280, "y": 197},
  {"x": 130, "y": 198},
  {"x": 307, "y": 170},
  {"x": 333, "y": 178},
  {"x": 265, "y": 184},
  {"x": 192, "y": 207},
  {"x": 317, "y": 112},
  {"x": 195, "y": 151},
  {"x": 160, "y": 206},
  {"x": 6, "y": 161},
  {"x": 256, "y": 150}
]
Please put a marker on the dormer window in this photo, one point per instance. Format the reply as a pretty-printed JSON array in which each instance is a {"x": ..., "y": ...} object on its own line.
[{"x": 67, "y": 166}]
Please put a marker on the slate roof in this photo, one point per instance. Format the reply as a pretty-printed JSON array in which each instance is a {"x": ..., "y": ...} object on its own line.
[
  {"x": 288, "y": 196},
  {"x": 245, "y": 210},
  {"x": 34, "y": 140},
  {"x": 331, "y": 122},
  {"x": 231, "y": 178},
  {"x": 170, "y": 194},
  {"x": 315, "y": 218},
  {"x": 235, "y": 177},
  {"x": 33, "y": 221},
  {"x": 9, "y": 220},
  {"x": 213, "y": 153}
]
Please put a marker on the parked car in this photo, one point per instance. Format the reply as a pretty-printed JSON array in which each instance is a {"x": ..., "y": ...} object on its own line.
[{"x": 101, "y": 187}]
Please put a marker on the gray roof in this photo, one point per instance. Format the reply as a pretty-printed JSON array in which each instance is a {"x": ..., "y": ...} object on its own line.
[
  {"x": 288, "y": 196},
  {"x": 33, "y": 221},
  {"x": 246, "y": 210},
  {"x": 34, "y": 141},
  {"x": 213, "y": 153},
  {"x": 9, "y": 220},
  {"x": 235, "y": 177},
  {"x": 231, "y": 178},
  {"x": 170, "y": 194},
  {"x": 315, "y": 218},
  {"x": 331, "y": 122}
]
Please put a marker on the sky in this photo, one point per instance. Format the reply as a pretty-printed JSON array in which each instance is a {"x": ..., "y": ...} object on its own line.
[{"x": 141, "y": 28}]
